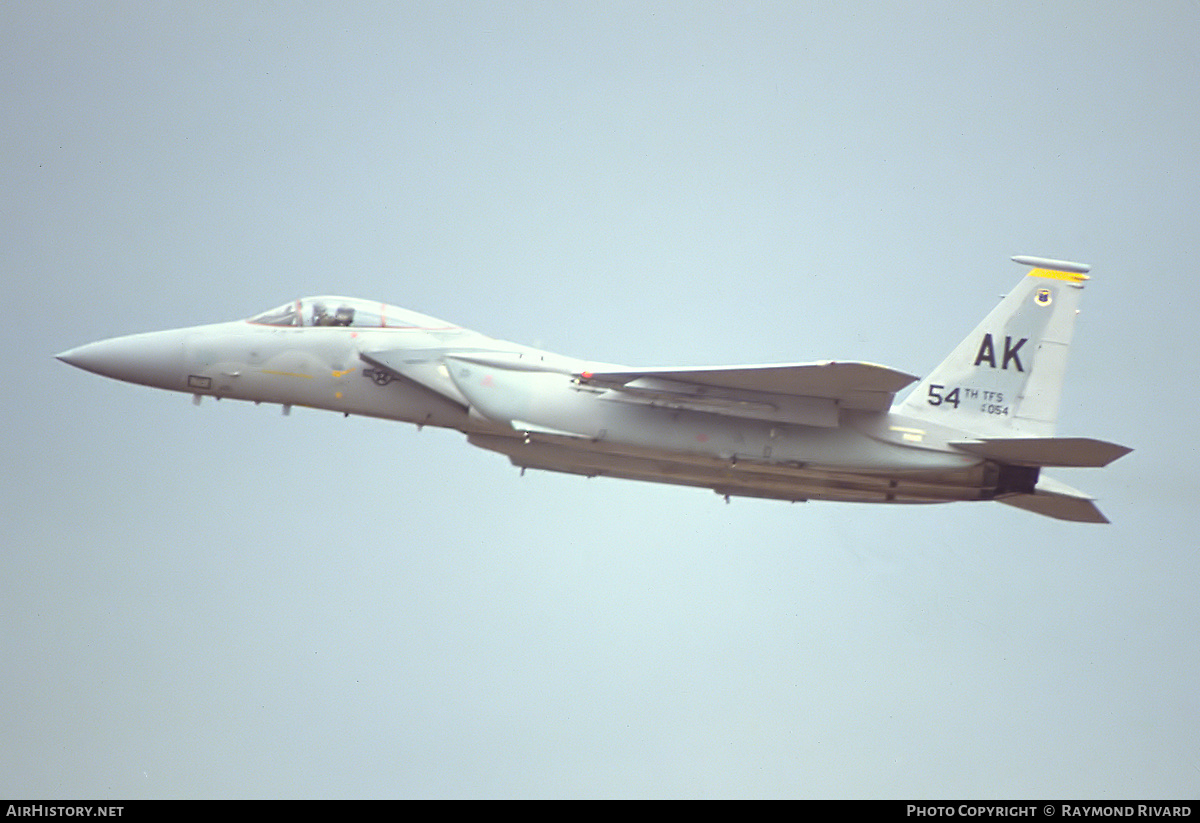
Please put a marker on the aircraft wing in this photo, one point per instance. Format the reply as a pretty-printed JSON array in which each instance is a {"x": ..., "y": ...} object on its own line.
[{"x": 806, "y": 393}]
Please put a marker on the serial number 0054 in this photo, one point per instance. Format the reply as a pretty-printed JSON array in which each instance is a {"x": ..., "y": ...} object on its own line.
[{"x": 990, "y": 402}]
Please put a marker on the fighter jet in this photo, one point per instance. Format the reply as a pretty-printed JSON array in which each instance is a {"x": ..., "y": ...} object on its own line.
[{"x": 980, "y": 426}]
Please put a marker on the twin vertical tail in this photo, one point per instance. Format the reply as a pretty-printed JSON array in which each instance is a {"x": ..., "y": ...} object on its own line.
[
  {"x": 1005, "y": 378},
  {"x": 1001, "y": 387}
]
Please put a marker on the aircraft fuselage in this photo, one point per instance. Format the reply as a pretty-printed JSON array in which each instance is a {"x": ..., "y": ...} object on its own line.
[
  {"x": 528, "y": 405},
  {"x": 976, "y": 428}
]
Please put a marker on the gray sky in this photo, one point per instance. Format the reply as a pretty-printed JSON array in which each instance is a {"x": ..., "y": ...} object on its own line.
[{"x": 224, "y": 602}]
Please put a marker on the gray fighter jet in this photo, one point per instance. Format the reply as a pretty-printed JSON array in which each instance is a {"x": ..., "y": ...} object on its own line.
[{"x": 979, "y": 427}]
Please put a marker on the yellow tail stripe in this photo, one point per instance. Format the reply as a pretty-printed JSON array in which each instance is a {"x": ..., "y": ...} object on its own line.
[{"x": 1069, "y": 276}]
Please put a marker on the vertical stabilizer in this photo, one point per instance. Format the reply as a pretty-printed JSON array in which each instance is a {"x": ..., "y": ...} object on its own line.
[{"x": 1005, "y": 378}]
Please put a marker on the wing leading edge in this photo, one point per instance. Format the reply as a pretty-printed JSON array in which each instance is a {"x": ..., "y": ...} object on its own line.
[{"x": 806, "y": 393}]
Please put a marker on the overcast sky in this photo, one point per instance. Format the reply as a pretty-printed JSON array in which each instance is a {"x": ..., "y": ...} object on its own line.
[{"x": 224, "y": 602}]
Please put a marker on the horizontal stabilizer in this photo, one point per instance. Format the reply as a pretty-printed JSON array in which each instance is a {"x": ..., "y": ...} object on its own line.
[
  {"x": 1076, "y": 452},
  {"x": 853, "y": 385},
  {"x": 1058, "y": 500}
]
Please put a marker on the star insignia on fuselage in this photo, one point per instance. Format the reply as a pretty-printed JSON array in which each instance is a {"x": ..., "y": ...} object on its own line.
[{"x": 381, "y": 377}]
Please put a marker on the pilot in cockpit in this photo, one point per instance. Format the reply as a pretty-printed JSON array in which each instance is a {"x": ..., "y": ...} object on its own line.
[{"x": 344, "y": 316}]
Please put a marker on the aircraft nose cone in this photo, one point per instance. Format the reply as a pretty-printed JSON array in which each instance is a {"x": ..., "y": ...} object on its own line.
[
  {"x": 154, "y": 359},
  {"x": 90, "y": 357},
  {"x": 71, "y": 357}
]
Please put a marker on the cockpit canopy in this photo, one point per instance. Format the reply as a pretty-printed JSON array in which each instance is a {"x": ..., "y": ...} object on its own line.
[{"x": 345, "y": 311}]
